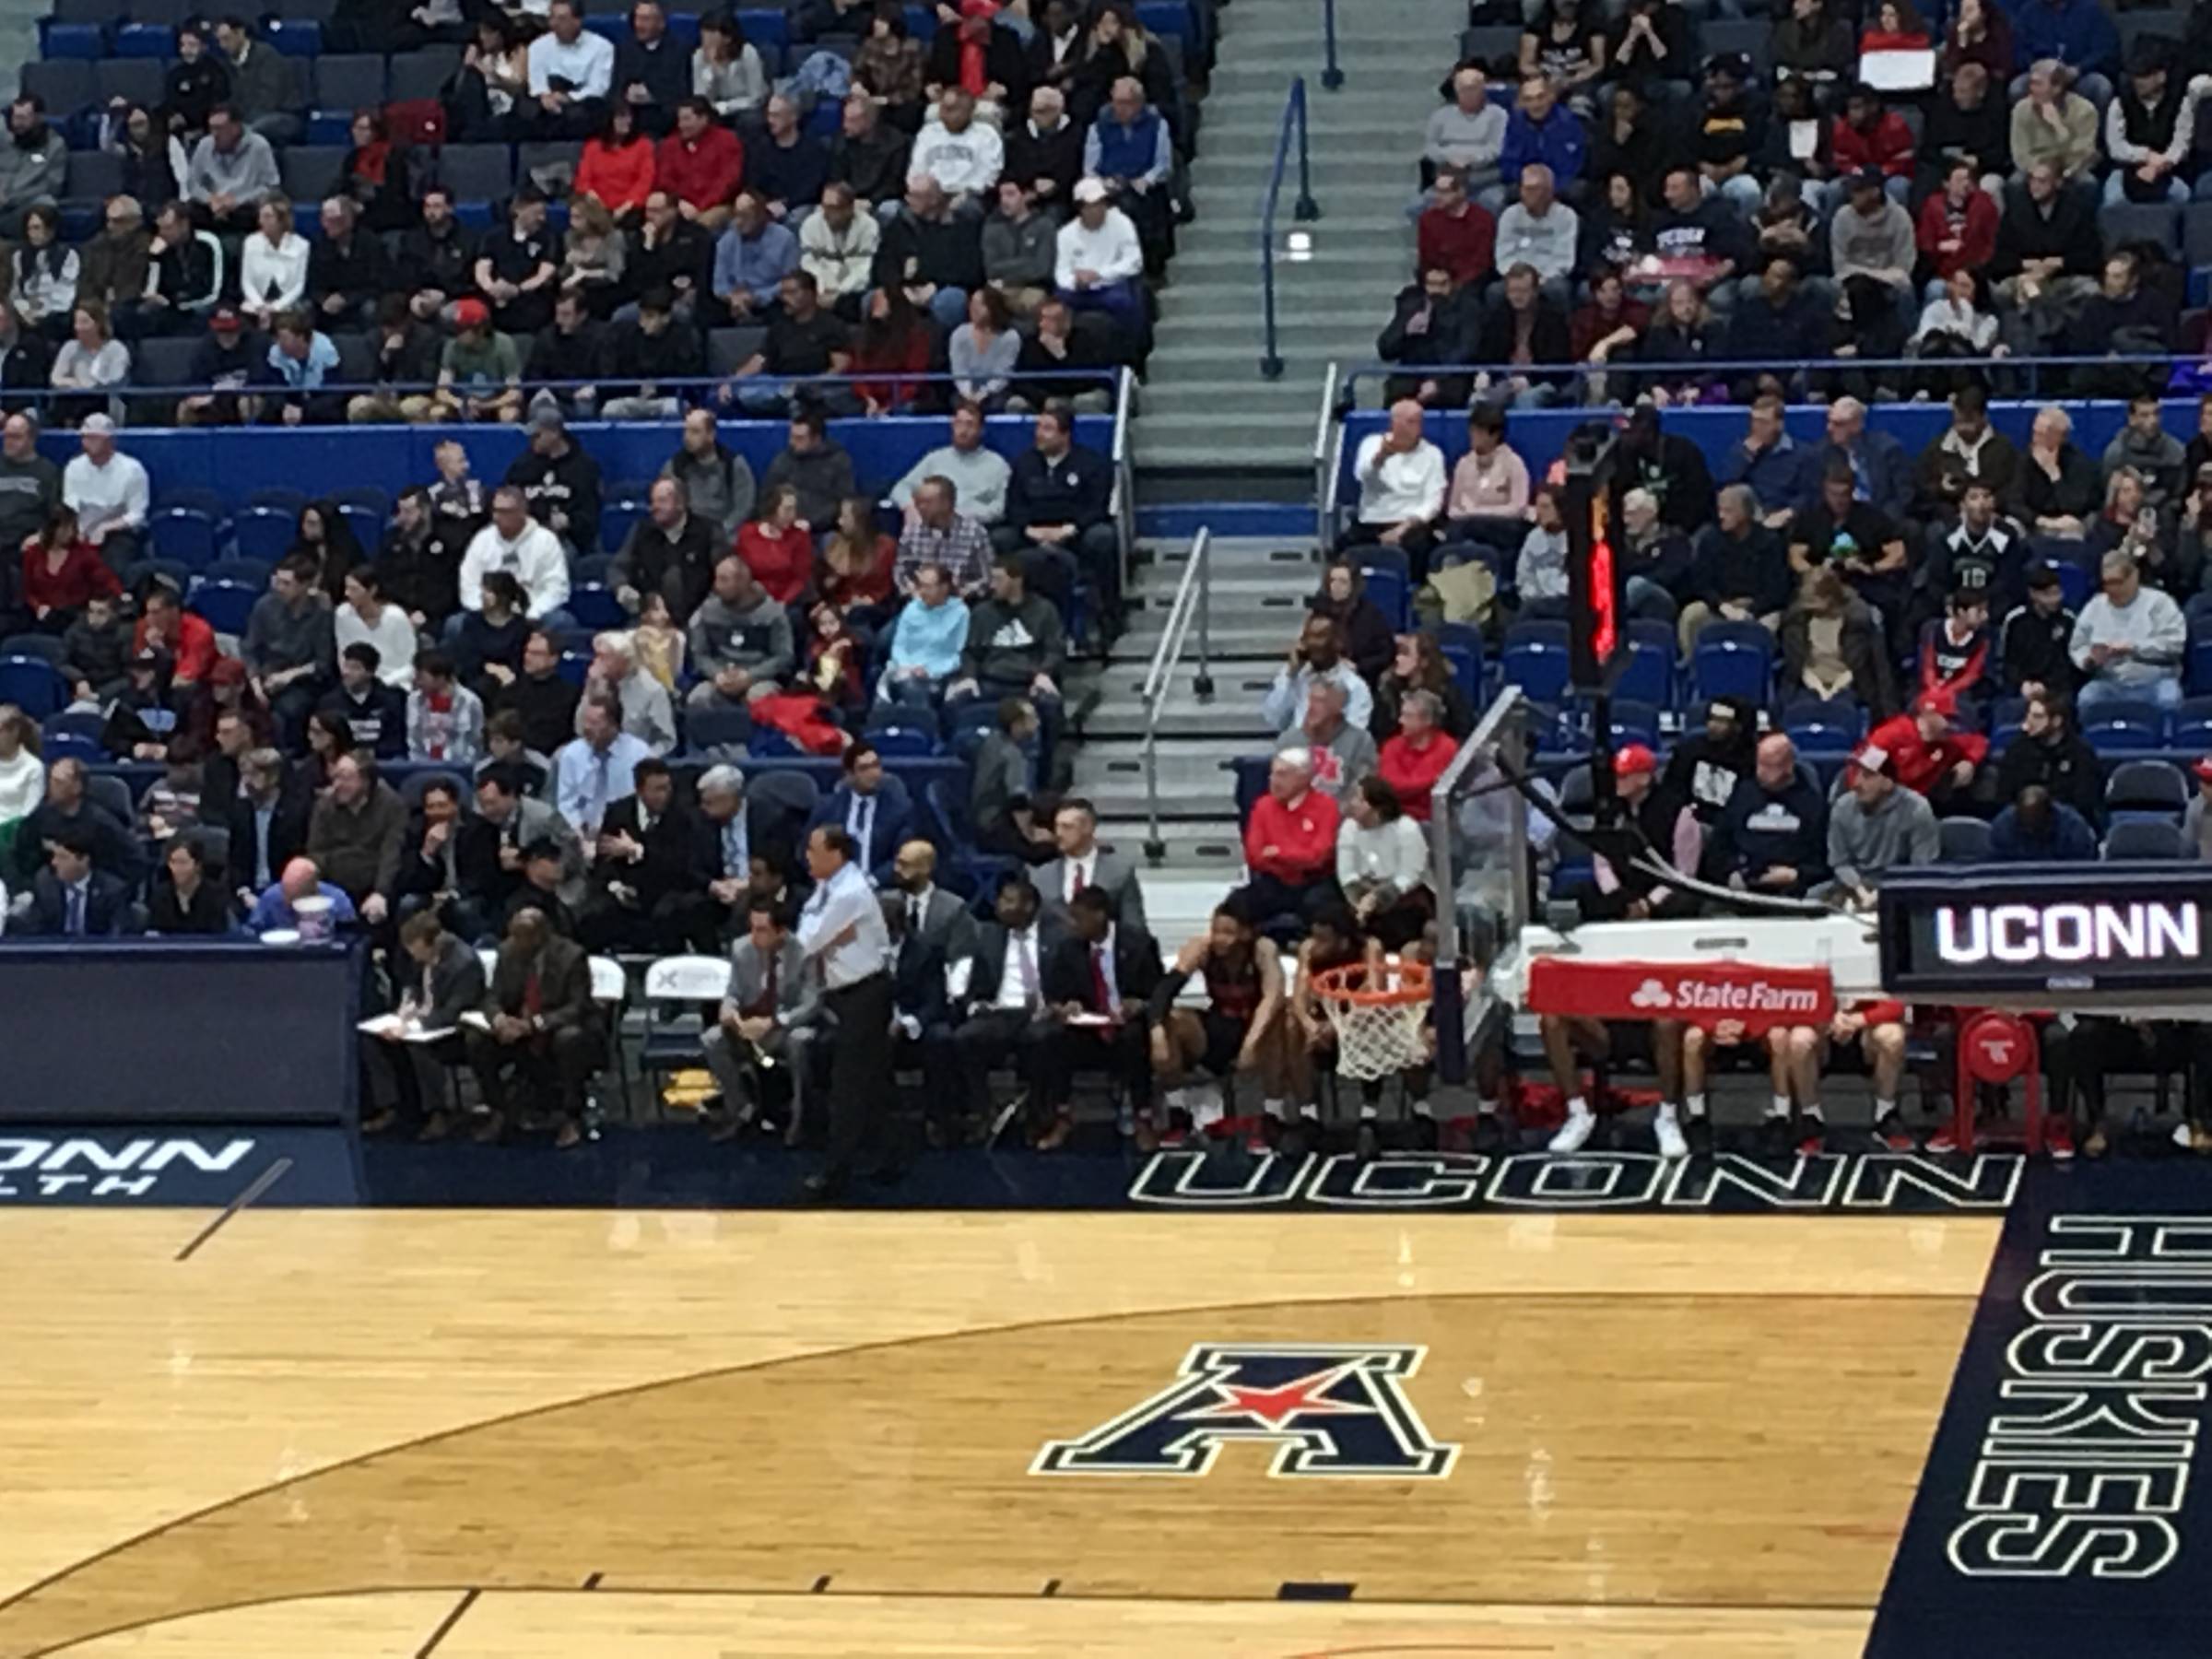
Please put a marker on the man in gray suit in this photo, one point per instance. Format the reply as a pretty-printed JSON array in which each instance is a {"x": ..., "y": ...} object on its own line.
[
  {"x": 934, "y": 916},
  {"x": 447, "y": 979},
  {"x": 765, "y": 1023},
  {"x": 1083, "y": 863}
]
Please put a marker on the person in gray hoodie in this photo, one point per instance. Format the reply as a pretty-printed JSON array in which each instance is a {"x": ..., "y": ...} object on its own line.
[
  {"x": 31, "y": 486},
  {"x": 230, "y": 171},
  {"x": 1020, "y": 248},
  {"x": 1016, "y": 648},
  {"x": 1874, "y": 827},
  {"x": 740, "y": 639},
  {"x": 33, "y": 164},
  {"x": 718, "y": 482}
]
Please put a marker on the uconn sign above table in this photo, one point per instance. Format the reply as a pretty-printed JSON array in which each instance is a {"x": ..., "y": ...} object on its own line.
[{"x": 2088, "y": 931}]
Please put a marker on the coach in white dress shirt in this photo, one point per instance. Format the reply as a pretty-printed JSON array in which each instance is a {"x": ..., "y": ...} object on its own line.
[{"x": 842, "y": 930}]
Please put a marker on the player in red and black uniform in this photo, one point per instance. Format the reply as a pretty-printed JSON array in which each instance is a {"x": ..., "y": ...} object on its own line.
[{"x": 1242, "y": 1030}]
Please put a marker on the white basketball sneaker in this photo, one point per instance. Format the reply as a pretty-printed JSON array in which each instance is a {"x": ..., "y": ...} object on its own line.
[
  {"x": 1667, "y": 1130},
  {"x": 1574, "y": 1134}
]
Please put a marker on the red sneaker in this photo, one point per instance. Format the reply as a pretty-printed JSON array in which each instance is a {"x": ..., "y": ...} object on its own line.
[
  {"x": 2058, "y": 1139},
  {"x": 1943, "y": 1141}
]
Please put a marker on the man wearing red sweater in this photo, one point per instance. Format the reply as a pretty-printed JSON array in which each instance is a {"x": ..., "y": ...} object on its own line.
[
  {"x": 1455, "y": 234},
  {"x": 169, "y": 627},
  {"x": 1931, "y": 757},
  {"x": 700, "y": 164},
  {"x": 1290, "y": 842},
  {"x": 1869, "y": 135},
  {"x": 1957, "y": 228}
]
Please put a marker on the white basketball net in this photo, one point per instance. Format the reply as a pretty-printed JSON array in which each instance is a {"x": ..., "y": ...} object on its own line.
[{"x": 1376, "y": 1040}]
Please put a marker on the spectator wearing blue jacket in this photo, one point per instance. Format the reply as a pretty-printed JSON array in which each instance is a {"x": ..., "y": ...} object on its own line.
[
  {"x": 2078, "y": 33},
  {"x": 872, "y": 807},
  {"x": 1540, "y": 130},
  {"x": 1776, "y": 468},
  {"x": 925, "y": 649},
  {"x": 1881, "y": 472},
  {"x": 2037, "y": 830}
]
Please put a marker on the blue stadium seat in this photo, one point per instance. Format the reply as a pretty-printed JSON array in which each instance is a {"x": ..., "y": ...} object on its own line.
[
  {"x": 1965, "y": 840},
  {"x": 65, "y": 84},
  {"x": 899, "y": 737},
  {"x": 593, "y": 604},
  {"x": 146, "y": 41},
  {"x": 246, "y": 572},
  {"x": 2005, "y": 721},
  {"x": 72, "y": 746},
  {"x": 2124, "y": 725},
  {"x": 1392, "y": 593},
  {"x": 183, "y": 534},
  {"x": 1824, "y": 728},
  {"x": 966, "y": 724},
  {"x": 264, "y": 532},
  {"x": 1648, "y": 676},
  {"x": 616, "y": 521},
  {"x": 1732, "y": 659},
  {"x": 76, "y": 42},
  {"x": 224, "y": 606},
  {"x": 765, "y": 28},
  {"x": 33, "y": 684},
  {"x": 1535, "y": 658},
  {"x": 2144, "y": 838},
  {"x": 2146, "y": 789},
  {"x": 135, "y": 80},
  {"x": 367, "y": 523},
  {"x": 2129, "y": 222},
  {"x": 707, "y": 729},
  {"x": 45, "y": 647},
  {"x": 1635, "y": 722},
  {"x": 296, "y": 37},
  {"x": 575, "y": 666},
  {"x": 2193, "y": 726}
]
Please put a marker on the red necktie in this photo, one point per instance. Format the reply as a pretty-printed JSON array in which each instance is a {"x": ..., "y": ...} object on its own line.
[{"x": 1100, "y": 988}]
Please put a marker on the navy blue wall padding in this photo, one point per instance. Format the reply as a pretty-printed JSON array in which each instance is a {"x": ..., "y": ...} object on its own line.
[
  {"x": 1538, "y": 435},
  {"x": 319, "y": 460}
]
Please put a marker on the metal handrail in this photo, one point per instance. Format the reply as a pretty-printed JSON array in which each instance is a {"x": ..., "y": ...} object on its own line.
[
  {"x": 1329, "y": 434},
  {"x": 1124, "y": 505},
  {"x": 1332, "y": 74},
  {"x": 1501, "y": 731},
  {"x": 1194, "y": 598},
  {"x": 1633, "y": 374},
  {"x": 1304, "y": 209}
]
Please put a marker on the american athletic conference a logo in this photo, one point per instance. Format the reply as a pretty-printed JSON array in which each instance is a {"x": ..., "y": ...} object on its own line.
[{"x": 1330, "y": 1409}]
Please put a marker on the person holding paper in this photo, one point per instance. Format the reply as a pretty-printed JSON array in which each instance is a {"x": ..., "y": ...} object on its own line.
[{"x": 410, "y": 1049}]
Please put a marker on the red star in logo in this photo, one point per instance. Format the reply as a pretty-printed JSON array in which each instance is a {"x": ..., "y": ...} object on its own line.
[{"x": 1302, "y": 1396}]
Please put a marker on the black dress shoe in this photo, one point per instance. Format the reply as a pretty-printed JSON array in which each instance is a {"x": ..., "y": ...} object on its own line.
[{"x": 824, "y": 1188}]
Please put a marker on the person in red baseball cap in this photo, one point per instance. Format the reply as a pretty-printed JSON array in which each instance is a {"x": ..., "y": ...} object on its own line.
[
  {"x": 1929, "y": 756},
  {"x": 479, "y": 372},
  {"x": 228, "y": 357}
]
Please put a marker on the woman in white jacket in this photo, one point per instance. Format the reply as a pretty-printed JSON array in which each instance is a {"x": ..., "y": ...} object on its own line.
[{"x": 272, "y": 269}]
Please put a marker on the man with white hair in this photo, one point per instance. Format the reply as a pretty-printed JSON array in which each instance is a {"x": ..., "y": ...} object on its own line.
[
  {"x": 1100, "y": 258},
  {"x": 1539, "y": 230},
  {"x": 735, "y": 830},
  {"x": 617, "y": 675},
  {"x": 1290, "y": 841},
  {"x": 2130, "y": 639},
  {"x": 1469, "y": 132},
  {"x": 108, "y": 491},
  {"x": 1402, "y": 487},
  {"x": 1129, "y": 147},
  {"x": 1340, "y": 753}
]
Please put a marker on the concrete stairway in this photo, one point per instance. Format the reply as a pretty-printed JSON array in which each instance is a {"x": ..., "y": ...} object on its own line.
[
  {"x": 1260, "y": 588},
  {"x": 1206, "y": 409}
]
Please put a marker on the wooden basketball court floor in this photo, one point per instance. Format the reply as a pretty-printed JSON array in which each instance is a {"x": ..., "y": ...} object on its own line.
[{"x": 686, "y": 1434}]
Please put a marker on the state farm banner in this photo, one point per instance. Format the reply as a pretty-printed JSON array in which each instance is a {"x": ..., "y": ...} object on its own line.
[{"x": 1698, "y": 993}]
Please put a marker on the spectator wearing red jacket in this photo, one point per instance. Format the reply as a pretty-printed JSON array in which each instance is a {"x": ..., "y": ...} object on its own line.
[
  {"x": 1414, "y": 755},
  {"x": 189, "y": 641},
  {"x": 619, "y": 167},
  {"x": 1955, "y": 649},
  {"x": 777, "y": 548},
  {"x": 1931, "y": 757},
  {"x": 701, "y": 164},
  {"x": 1957, "y": 228},
  {"x": 1290, "y": 841},
  {"x": 1870, "y": 135},
  {"x": 1455, "y": 234},
  {"x": 61, "y": 572}
]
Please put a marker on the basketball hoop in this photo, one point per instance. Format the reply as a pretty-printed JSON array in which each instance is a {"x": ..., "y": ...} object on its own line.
[{"x": 1378, "y": 1027}]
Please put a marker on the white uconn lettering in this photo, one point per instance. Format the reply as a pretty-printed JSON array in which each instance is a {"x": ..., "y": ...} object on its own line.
[{"x": 2067, "y": 933}]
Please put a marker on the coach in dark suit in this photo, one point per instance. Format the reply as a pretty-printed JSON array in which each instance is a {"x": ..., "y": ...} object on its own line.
[
  {"x": 931, "y": 914},
  {"x": 1003, "y": 1011},
  {"x": 544, "y": 1040},
  {"x": 1103, "y": 967},
  {"x": 70, "y": 900},
  {"x": 646, "y": 876},
  {"x": 447, "y": 979},
  {"x": 1083, "y": 863},
  {"x": 268, "y": 821},
  {"x": 871, "y": 807}
]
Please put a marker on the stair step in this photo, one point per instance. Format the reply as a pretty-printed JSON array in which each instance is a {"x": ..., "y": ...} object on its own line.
[{"x": 1205, "y": 846}]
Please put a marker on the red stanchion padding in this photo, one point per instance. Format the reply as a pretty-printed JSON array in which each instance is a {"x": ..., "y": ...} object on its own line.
[
  {"x": 1995, "y": 1047},
  {"x": 1703, "y": 994}
]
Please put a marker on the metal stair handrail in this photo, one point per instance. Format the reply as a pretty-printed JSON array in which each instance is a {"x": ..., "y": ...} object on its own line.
[
  {"x": 1304, "y": 209},
  {"x": 1194, "y": 602}
]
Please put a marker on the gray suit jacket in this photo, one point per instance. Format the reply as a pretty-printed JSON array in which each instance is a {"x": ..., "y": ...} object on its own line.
[
  {"x": 1109, "y": 870},
  {"x": 948, "y": 926},
  {"x": 798, "y": 994},
  {"x": 456, "y": 984}
]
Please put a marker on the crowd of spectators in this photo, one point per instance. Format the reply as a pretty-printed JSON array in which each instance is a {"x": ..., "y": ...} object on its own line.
[
  {"x": 1611, "y": 214},
  {"x": 683, "y": 231}
]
